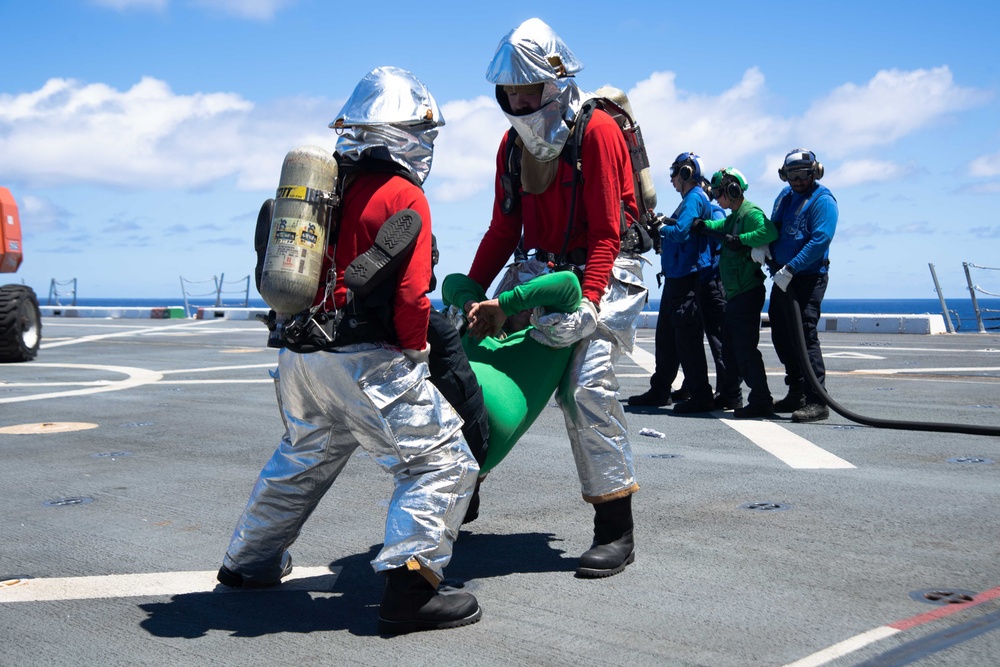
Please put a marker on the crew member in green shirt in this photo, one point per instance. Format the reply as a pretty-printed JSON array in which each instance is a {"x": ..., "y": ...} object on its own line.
[
  {"x": 745, "y": 228},
  {"x": 517, "y": 373}
]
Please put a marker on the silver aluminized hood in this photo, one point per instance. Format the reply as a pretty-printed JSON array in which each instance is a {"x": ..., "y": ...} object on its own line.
[
  {"x": 533, "y": 53},
  {"x": 544, "y": 132},
  {"x": 390, "y": 111}
]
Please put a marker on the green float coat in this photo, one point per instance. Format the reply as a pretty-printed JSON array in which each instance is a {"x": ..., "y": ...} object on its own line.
[{"x": 517, "y": 373}]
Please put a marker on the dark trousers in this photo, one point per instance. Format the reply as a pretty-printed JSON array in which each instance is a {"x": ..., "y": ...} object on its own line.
[
  {"x": 452, "y": 374},
  {"x": 681, "y": 295},
  {"x": 667, "y": 361},
  {"x": 712, "y": 305},
  {"x": 740, "y": 343},
  {"x": 807, "y": 291}
]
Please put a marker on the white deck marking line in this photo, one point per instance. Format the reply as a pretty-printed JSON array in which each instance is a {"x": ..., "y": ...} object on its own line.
[
  {"x": 647, "y": 361},
  {"x": 134, "y": 377},
  {"x": 119, "y": 334},
  {"x": 865, "y": 638},
  {"x": 793, "y": 449},
  {"x": 843, "y": 648},
  {"x": 773, "y": 438},
  {"x": 903, "y": 371},
  {"x": 851, "y": 355},
  {"x": 219, "y": 368},
  {"x": 257, "y": 381},
  {"x": 155, "y": 583},
  {"x": 82, "y": 383}
]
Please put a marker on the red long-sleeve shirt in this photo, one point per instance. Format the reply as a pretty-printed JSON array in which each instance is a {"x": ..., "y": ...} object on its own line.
[
  {"x": 607, "y": 183},
  {"x": 370, "y": 199}
]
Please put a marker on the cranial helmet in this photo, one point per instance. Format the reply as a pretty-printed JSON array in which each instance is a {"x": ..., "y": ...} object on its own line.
[
  {"x": 730, "y": 182},
  {"x": 688, "y": 167},
  {"x": 533, "y": 53},
  {"x": 391, "y": 116},
  {"x": 800, "y": 159}
]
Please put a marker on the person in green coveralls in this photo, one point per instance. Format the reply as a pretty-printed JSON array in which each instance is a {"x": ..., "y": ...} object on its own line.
[
  {"x": 745, "y": 228},
  {"x": 518, "y": 374}
]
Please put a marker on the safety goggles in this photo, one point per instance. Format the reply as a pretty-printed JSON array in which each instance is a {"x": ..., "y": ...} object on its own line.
[{"x": 798, "y": 175}]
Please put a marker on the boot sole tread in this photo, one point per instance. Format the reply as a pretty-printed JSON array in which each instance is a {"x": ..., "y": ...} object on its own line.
[
  {"x": 594, "y": 573},
  {"x": 394, "y": 237},
  {"x": 387, "y": 627}
]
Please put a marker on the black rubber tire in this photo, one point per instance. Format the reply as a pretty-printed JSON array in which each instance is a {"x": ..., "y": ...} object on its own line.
[{"x": 20, "y": 324}]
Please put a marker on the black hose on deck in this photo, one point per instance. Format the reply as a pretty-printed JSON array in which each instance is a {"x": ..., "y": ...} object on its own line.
[{"x": 807, "y": 370}]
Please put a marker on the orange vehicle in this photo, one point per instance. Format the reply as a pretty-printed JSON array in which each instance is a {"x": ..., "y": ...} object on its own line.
[{"x": 20, "y": 318}]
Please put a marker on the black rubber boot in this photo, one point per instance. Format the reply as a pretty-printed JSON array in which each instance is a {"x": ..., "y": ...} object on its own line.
[
  {"x": 681, "y": 394},
  {"x": 790, "y": 403},
  {"x": 651, "y": 398},
  {"x": 227, "y": 577},
  {"x": 411, "y": 603},
  {"x": 762, "y": 411},
  {"x": 614, "y": 546},
  {"x": 472, "y": 513},
  {"x": 394, "y": 238},
  {"x": 811, "y": 412}
]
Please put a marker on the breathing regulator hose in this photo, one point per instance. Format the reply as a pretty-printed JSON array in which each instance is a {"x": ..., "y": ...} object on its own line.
[{"x": 800, "y": 344}]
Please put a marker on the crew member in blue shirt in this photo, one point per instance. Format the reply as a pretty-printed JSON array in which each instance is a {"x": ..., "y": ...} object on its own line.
[
  {"x": 805, "y": 214},
  {"x": 682, "y": 255}
]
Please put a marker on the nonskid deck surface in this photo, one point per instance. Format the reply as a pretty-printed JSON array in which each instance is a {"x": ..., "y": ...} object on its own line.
[{"x": 129, "y": 450}]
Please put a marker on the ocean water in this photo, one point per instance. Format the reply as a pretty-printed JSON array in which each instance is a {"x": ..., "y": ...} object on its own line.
[{"x": 963, "y": 315}]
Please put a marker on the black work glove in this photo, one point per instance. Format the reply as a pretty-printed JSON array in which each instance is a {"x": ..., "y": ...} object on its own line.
[
  {"x": 734, "y": 243},
  {"x": 697, "y": 225}
]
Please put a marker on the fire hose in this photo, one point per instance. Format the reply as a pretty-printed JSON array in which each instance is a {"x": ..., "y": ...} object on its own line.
[{"x": 799, "y": 339}]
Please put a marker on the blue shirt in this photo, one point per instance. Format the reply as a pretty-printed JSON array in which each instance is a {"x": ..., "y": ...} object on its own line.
[
  {"x": 708, "y": 263},
  {"x": 806, "y": 224},
  {"x": 682, "y": 254}
]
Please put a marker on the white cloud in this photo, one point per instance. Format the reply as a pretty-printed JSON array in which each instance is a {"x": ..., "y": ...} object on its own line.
[
  {"x": 729, "y": 129},
  {"x": 247, "y": 9},
  {"x": 986, "y": 232},
  {"x": 42, "y": 215},
  {"x": 854, "y": 172},
  {"x": 985, "y": 166},
  {"x": 148, "y": 137},
  {"x": 257, "y": 10},
  {"x": 892, "y": 105},
  {"x": 466, "y": 147},
  {"x": 124, "y": 5},
  {"x": 990, "y": 188}
]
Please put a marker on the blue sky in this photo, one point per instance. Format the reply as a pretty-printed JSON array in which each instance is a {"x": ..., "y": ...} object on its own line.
[{"x": 140, "y": 137}]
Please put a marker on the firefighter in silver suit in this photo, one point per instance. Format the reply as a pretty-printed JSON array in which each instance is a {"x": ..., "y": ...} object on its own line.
[
  {"x": 569, "y": 212},
  {"x": 369, "y": 386}
]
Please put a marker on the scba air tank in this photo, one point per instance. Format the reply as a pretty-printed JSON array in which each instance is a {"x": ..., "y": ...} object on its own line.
[
  {"x": 293, "y": 262},
  {"x": 645, "y": 180}
]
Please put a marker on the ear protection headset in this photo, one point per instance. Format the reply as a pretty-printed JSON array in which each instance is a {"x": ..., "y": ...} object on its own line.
[
  {"x": 687, "y": 166},
  {"x": 801, "y": 157},
  {"x": 729, "y": 182}
]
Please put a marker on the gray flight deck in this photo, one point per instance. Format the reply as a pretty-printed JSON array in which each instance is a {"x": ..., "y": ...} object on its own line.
[{"x": 129, "y": 447}]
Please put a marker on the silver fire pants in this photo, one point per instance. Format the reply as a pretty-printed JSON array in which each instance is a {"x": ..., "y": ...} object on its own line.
[
  {"x": 332, "y": 402},
  {"x": 587, "y": 393}
]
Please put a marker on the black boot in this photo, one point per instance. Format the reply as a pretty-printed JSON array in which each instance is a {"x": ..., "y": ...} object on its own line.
[
  {"x": 411, "y": 603},
  {"x": 651, "y": 398},
  {"x": 613, "y": 546},
  {"x": 228, "y": 577},
  {"x": 472, "y": 513},
  {"x": 795, "y": 399},
  {"x": 394, "y": 238}
]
